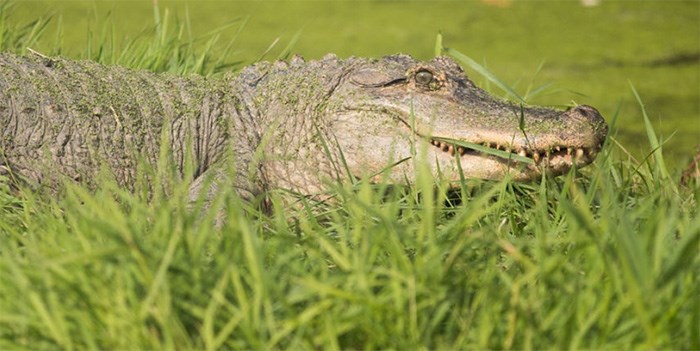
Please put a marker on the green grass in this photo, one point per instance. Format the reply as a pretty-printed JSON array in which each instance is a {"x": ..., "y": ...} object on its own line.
[{"x": 605, "y": 258}]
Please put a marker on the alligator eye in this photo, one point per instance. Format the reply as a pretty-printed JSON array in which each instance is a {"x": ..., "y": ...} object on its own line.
[{"x": 424, "y": 77}]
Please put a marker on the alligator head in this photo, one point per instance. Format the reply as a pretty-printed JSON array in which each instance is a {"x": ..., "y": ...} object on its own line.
[{"x": 397, "y": 108}]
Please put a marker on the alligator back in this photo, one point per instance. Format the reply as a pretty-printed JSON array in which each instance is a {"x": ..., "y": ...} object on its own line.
[{"x": 82, "y": 116}]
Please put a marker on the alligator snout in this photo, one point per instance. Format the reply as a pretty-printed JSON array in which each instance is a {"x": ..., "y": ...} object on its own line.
[
  {"x": 586, "y": 113},
  {"x": 589, "y": 114}
]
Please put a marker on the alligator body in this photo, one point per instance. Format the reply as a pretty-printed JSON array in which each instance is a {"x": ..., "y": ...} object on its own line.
[{"x": 283, "y": 125}]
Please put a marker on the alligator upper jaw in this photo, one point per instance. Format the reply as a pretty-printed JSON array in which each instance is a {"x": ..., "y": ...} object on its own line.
[
  {"x": 554, "y": 159},
  {"x": 537, "y": 155}
]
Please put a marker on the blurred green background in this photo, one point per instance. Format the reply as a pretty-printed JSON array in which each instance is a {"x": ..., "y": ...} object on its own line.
[{"x": 588, "y": 55}]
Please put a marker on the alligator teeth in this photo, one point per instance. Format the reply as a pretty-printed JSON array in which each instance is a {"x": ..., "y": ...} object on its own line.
[{"x": 537, "y": 155}]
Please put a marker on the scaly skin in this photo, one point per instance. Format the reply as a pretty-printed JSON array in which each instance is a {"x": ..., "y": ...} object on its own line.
[
  {"x": 284, "y": 125},
  {"x": 387, "y": 99}
]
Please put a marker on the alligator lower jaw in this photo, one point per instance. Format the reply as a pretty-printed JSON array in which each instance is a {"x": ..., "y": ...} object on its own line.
[{"x": 556, "y": 155}]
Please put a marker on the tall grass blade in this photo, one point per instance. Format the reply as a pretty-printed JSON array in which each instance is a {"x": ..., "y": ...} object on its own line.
[
  {"x": 660, "y": 165},
  {"x": 464, "y": 59},
  {"x": 438, "y": 45}
]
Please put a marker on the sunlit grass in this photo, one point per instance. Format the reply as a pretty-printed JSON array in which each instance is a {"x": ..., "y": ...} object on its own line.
[{"x": 602, "y": 259}]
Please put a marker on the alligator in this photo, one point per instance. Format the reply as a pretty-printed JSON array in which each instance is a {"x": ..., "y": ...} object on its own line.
[
  {"x": 295, "y": 125},
  {"x": 691, "y": 174}
]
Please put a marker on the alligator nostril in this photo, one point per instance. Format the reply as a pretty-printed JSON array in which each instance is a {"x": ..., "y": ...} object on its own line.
[{"x": 584, "y": 111}]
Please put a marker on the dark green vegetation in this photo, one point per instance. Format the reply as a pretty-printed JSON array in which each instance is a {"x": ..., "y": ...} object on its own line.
[{"x": 602, "y": 259}]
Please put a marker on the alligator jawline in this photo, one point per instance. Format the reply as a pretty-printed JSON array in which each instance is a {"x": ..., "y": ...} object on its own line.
[
  {"x": 584, "y": 154},
  {"x": 572, "y": 155}
]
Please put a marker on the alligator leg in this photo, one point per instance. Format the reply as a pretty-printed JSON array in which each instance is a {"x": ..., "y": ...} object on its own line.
[{"x": 11, "y": 178}]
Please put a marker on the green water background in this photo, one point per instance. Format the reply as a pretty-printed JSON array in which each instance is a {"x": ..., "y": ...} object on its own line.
[{"x": 586, "y": 55}]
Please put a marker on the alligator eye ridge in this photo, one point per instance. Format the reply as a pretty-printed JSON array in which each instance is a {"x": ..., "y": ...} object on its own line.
[{"x": 424, "y": 77}]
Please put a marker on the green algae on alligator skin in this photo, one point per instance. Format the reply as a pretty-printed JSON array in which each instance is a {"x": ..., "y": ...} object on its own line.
[{"x": 281, "y": 125}]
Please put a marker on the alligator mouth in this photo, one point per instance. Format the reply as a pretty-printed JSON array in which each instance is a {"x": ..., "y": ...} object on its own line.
[{"x": 581, "y": 155}]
